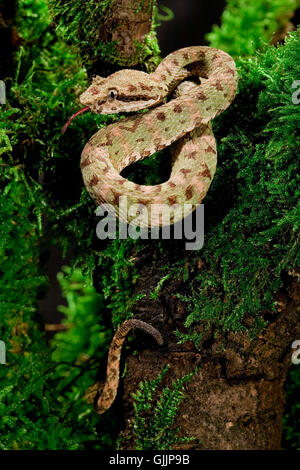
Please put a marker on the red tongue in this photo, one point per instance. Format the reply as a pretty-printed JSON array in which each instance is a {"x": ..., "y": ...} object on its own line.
[{"x": 82, "y": 110}]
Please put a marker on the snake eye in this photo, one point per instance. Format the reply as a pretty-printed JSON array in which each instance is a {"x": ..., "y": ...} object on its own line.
[{"x": 112, "y": 94}]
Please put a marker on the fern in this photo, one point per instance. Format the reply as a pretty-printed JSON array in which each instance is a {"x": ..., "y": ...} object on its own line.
[{"x": 153, "y": 423}]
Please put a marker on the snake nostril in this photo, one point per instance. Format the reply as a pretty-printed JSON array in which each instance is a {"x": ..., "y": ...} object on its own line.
[{"x": 86, "y": 99}]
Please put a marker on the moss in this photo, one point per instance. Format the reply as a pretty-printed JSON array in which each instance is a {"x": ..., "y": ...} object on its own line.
[
  {"x": 77, "y": 353},
  {"x": 291, "y": 420},
  {"x": 116, "y": 279},
  {"x": 153, "y": 423},
  {"x": 252, "y": 232},
  {"x": 80, "y": 27},
  {"x": 148, "y": 52},
  {"x": 75, "y": 24},
  {"x": 42, "y": 405},
  {"x": 29, "y": 409},
  {"x": 34, "y": 415},
  {"x": 247, "y": 27}
]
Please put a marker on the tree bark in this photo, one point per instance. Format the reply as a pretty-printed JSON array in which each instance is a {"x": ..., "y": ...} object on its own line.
[
  {"x": 127, "y": 22},
  {"x": 236, "y": 399}
]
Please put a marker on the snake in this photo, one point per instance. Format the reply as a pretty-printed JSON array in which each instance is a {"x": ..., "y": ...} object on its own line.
[
  {"x": 183, "y": 124},
  {"x": 110, "y": 388},
  {"x": 188, "y": 89}
]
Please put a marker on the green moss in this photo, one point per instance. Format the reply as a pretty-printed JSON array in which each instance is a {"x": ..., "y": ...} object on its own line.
[
  {"x": 247, "y": 26},
  {"x": 153, "y": 424},
  {"x": 116, "y": 279},
  {"x": 80, "y": 27},
  {"x": 42, "y": 405},
  {"x": 84, "y": 335},
  {"x": 37, "y": 391},
  {"x": 291, "y": 421},
  {"x": 252, "y": 211},
  {"x": 77, "y": 353},
  {"x": 148, "y": 52},
  {"x": 29, "y": 410}
]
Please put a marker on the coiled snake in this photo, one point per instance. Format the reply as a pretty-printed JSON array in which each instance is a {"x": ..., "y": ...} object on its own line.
[{"x": 182, "y": 123}]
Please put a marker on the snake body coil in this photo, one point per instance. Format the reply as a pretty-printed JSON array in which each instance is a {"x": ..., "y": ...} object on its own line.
[{"x": 183, "y": 123}]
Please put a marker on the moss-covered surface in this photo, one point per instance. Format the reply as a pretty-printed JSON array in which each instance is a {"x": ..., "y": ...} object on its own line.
[
  {"x": 89, "y": 31},
  {"x": 42, "y": 405},
  {"x": 291, "y": 421},
  {"x": 153, "y": 423},
  {"x": 252, "y": 210},
  {"x": 252, "y": 216},
  {"x": 249, "y": 26}
]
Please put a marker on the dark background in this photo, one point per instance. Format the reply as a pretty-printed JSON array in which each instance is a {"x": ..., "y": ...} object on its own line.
[{"x": 192, "y": 20}]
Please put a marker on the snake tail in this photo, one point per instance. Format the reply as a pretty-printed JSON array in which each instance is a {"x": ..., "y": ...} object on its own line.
[{"x": 110, "y": 389}]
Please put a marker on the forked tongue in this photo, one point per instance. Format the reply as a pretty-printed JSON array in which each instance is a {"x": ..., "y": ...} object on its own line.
[{"x": 80, "y": 111}]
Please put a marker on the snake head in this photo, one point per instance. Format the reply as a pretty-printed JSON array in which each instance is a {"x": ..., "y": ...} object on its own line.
[{"x": 123, "y": 91}]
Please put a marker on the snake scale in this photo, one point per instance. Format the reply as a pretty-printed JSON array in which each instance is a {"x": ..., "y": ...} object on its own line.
[{"x": 203, "y": 81}]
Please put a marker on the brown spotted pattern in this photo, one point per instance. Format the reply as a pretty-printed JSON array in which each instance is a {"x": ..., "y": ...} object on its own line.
[
  {"x": 113, "y": 362},
  {"x": 183, "y": 123}
]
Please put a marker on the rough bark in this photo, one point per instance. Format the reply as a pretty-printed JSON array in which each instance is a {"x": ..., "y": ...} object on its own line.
[
  {"x": 236, "y": 399},
  {"x": 126, "y": 23}
]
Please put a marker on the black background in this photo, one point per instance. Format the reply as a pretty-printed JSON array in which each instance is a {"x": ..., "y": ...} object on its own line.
[{"x": 192, "y": 20}]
